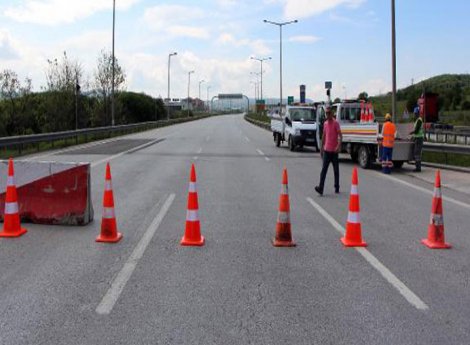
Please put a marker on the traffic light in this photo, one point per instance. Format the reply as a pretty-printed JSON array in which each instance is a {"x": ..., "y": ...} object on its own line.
[{"x": 328, "y": 92}]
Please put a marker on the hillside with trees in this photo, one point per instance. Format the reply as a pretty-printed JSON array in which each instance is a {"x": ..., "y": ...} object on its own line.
[{"x": 453, "y": 100}]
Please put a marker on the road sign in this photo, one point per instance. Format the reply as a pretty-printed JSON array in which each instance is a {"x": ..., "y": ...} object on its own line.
[
  {"x": 230, "y": 96},
  {"x": 328, "y": 84},
  {"x": 290, "y": 100}
]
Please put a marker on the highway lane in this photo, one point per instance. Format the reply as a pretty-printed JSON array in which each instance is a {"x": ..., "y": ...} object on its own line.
[{"x": 237, "y": 289}]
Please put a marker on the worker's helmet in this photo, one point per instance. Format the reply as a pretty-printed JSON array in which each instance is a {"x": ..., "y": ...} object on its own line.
[{"x": 388, "y": 117}]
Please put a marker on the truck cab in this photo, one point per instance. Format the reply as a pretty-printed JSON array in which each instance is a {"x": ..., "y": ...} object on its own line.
[{"x": 298, "y": 127}]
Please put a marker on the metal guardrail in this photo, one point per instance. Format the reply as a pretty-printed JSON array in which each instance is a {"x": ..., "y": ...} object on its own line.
[
  {"x": 448, "y": 137},
  {"x": 447, "y": 148},
  {"x": 21, "y": 140}
]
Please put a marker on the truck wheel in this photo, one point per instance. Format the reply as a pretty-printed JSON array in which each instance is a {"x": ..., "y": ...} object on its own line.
[
  {"x": 364, "y": 157},
  {"x": 398, "y": 164},
  {"x": 291, "y": 144},
  {"x": 278, "y": 140}
]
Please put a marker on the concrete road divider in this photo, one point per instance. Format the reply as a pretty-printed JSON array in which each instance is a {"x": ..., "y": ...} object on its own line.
[{"x": 50, "y": 192}]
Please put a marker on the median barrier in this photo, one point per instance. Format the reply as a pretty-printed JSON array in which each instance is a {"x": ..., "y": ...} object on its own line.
[{"x": 50, "y": 192}]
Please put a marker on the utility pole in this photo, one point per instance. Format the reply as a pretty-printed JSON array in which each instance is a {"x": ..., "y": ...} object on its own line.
[
  {"x": 394, "y": 66},
  {"x": 189, "y": 85},
  {"x": 169, "y": 99},
  {"x": 261, "y": 72},
  {"x": 280, "y": 56},
  {"x": 112, "y": 83}
]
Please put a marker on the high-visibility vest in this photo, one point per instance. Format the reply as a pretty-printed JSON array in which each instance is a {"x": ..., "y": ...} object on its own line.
[
  {"x": 388, "y": 133},
  {"x": 420, "y": 133}
]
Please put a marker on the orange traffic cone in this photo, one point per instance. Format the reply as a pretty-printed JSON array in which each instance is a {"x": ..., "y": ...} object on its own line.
[
  {"x": 283, "y": 229},
  {"x": 109, "y": 233},
  {"x": 192, "y": 235},
  {"x": 363, "y": 114},
  {"x": 436, "y": 238},
  {"x": 11, "y": 218},
  {"x": 353, "y": 236},
  {"x": 371, "y": 114}
]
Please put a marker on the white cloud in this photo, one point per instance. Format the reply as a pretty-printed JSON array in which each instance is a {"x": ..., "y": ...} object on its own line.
[
  {"x": 172, "y": 20},
  {"x": 188, "y": 31},
  {"x": 8, "y": 49},
  {"x": 258, "y": 47},
  {"x": 55, "y": 12},
  {"x": 296, "y": 9},
  {"x": 304, "y": 39}
]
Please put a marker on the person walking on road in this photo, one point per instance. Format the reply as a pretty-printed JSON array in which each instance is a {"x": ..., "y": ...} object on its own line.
[
  {"x": 418, "y": 137},
  {"x": 389, "y": 132},
  {"x": 330, "y": 147}
]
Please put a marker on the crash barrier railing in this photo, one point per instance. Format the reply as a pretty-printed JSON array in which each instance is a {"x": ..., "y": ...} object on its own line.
[
  {"x": 447, "y": 148},
  {"x": 448, "y": 137},
  {"x": 428, "y": 146},
  {"x": 21, "y": 140}
]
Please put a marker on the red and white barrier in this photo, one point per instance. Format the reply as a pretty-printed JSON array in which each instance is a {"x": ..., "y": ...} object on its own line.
[{"x": 50, "y": 192}]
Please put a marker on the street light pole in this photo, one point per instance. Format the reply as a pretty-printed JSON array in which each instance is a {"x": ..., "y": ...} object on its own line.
[
  {"x": 261, "y": 60},
  {"x": 200, "y": 82},
  {"x": 168, "y": 105},
  {"x": 280, "y": 55},
  {"x": 189, "y": 84},
  {"x": 394, "y": 66},
  {"x": 208, "y": 88},
  {"x": 112, "y": 83}
]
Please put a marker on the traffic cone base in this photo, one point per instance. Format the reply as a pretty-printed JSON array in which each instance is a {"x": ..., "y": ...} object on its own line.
[
  {"x": 18, "y": 233},
  {"x": 186, "y": 242},
  {"x": 347, "y": 243},
  {"x": 435, "y": 245},
  {"x": 114, "y": 239}
]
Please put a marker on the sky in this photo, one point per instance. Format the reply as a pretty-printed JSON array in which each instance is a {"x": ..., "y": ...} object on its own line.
[{"x": 345, "y": 41}]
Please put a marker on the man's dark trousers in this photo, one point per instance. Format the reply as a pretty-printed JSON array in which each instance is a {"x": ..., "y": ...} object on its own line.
[{"x": 329, "y": 157}]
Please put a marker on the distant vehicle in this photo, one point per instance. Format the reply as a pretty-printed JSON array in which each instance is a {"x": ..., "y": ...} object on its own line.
[
  {"x": 360, "y": 139},
  {"x": 298, "y": 127},
  {"x": 428, "y": 107}
]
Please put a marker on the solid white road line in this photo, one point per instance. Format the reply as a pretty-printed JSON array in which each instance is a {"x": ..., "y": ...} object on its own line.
[
  {"x": 119, "y": 283},
  {"x": 424, "y": 190},
  {"x": 208, "y": 138},
  {"x": 247, "y": 139},
  {"x": 110, "y": 158},
  {"x": 262, "y": 154},
  {"x": 409, "y": 295}
]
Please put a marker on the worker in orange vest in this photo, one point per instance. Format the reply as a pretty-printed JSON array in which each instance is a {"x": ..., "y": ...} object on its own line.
[{"x": 389, "y": 132}]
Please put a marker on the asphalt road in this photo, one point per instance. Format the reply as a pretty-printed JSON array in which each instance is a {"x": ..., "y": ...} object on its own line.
[{"x": 238, "y": 288}]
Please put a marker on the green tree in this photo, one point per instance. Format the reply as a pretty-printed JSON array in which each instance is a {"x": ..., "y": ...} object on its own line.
[
  {"x": 62, "y": 78},
  {"x": 103, "y": 82},
  {"x": 363, "y": 96},
  {"x": 15, "y": 99}
]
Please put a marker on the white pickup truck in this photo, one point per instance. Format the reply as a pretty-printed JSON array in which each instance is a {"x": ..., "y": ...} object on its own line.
[
  {"x": 298, "y": 127},
  {"x": 360, "y": 139}
]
